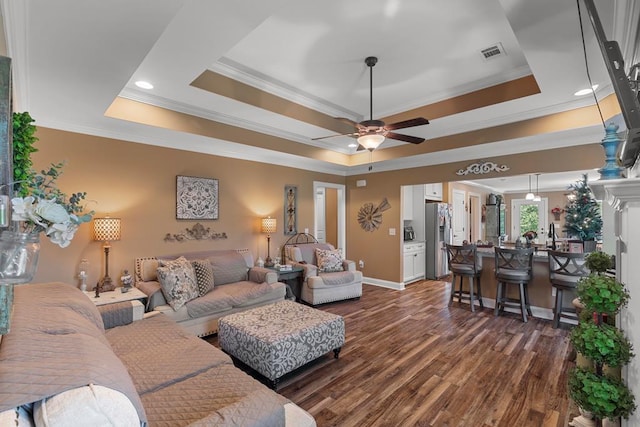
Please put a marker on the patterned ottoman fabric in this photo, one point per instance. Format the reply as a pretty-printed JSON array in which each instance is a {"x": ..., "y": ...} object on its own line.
[{"x": 276, "y": 339}]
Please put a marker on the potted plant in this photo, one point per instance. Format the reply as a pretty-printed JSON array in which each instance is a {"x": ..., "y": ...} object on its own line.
[
  {"x": 594, "y": 391},
  {"x": 583, "y": 219},
  {"x": 23, "y": 140},
  {"x": 556, "y": 213}
]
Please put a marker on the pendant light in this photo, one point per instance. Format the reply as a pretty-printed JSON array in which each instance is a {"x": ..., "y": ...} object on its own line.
[
  {"x": 537, "y": 197},
  {"x": 530, "y": 195}
]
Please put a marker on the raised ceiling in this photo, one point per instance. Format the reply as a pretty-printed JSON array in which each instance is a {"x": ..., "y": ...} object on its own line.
[{"x": 260, "y": 79}]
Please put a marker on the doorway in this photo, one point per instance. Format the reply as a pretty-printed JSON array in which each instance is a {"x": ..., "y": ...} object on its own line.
[
  {"x": 330, "y": 213},
  {"x": 475, "y": 218},
  {"x": 458, "y": 221},
  {"x": 528, "y": 215}
]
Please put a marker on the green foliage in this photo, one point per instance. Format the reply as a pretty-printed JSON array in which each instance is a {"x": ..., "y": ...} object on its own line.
[
  {"x": 602, "y": 294},
  {"x": 583, "y": 218},
  {"x": 603, "y": 344},
  {"x": 23, "y": 140},
  {"x": 529, "y": 218},
  {"x": 598, "y": 262},
  {"x": 604, "y": 396}
]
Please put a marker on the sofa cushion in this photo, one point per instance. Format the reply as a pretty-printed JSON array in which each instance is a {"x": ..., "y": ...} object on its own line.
[
  {"x": 329, "y": 260},
  {"x": 204, "y": 275},
  {"x": 213, "y": 302},
  {"x": 228, "y": 267},
  {"x": 178, "y": 281},
  {"x": 93, "y": 404},
  {"x": 148, "y": 269}
]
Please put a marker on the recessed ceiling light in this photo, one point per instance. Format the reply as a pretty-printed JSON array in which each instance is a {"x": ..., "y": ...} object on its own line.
[
  {"x": 352, "y": 145},
  {"x": 144, "y": 85},
  {"x": 586, "y": 91}
]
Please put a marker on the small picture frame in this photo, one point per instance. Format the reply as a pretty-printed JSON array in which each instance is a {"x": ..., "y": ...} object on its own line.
[
  {"x": 196, "y": 198},
  {"x": 576, "y": 246}
]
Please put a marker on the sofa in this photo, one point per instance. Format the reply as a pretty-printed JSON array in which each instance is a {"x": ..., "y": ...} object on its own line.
[
  {"x": 233, "y": 284},
  {"x": 74, "y": 366},
  {"x": 327, "y": 276}
]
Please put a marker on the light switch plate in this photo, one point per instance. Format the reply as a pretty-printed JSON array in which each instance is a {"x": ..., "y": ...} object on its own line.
[{"x": 392, "y": 232}]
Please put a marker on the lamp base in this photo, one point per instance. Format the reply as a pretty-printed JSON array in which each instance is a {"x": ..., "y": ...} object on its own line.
[{"x": 268, "y": 262}]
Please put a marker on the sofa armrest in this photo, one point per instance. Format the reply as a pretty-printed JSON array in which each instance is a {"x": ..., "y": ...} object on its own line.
[
  {"x": 348, "y": 265},
  {"x": 121, "y": 313},
  {"x": 155, "y": 297},
  {"x": 309, "y": 269},
  {"x": 261, "y": 275}
]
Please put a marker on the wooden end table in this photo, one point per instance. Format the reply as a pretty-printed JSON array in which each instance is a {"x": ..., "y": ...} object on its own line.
[
  {"x": 112, "y": 297},
  {"x": 293, "y": 278}
]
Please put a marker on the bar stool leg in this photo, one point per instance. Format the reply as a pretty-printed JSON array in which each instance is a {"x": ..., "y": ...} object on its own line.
[
  {"x": 523, "y": 303},
  {"x": 480, "y": 293},
  {"x": 460, "y": 290},
  {"x": 558, "y": 308},
  {"x": 496, "y": 309},
  {"x": 473, "y": 306},
  {"x": 453, "y": 288},
  {"x": 526, "y": 299}
]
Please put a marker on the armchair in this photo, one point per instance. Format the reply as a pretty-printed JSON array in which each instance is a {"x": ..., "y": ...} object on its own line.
[{"x": 327, "y": 281}]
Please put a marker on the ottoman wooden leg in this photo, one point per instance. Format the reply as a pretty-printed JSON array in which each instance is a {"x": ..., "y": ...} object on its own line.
[
  {"x": 274, "y": 384},
  {"x": 336, "y": 352}
]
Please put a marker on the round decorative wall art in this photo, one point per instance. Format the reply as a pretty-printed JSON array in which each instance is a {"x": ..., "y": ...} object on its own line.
[{"x": 370, "y": 216}]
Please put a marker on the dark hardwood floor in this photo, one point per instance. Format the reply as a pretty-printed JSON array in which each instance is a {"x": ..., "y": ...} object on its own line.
[{"x": 410, "y": 360}]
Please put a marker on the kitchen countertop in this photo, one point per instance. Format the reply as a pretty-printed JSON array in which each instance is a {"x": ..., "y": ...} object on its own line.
[{"x": 539, "y": 255}]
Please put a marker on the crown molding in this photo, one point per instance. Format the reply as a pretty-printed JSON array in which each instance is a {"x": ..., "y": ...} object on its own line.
[{"x": 16, "y": 27}]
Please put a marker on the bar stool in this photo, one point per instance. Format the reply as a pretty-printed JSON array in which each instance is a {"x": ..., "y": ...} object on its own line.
[
  {"x": 513, "y": 267},
  {"x": 565, "y": 269},
  {"x": 464, "y": 262}
]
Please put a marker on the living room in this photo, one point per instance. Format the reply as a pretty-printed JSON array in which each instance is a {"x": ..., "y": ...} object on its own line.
[{"x": 128, "y": 152}]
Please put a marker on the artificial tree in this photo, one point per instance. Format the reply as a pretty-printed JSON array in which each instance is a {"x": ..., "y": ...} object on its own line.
[
  {"x": 598, "y": 340},
  {"x": 583, "y": 219}
]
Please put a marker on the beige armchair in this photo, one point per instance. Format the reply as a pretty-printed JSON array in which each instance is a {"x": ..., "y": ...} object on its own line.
[{"x": 321, "y": 286}]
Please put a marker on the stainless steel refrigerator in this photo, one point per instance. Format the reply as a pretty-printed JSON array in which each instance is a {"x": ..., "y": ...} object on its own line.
[{"x": 437, "y": 233}]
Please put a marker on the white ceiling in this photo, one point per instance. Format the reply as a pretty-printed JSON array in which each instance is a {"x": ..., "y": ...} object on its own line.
[{"x": 71, "y": 59}]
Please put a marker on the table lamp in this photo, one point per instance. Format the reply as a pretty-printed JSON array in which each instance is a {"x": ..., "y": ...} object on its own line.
[
  {"x": 105, "y": 230},
  {"x": 268, "y": 226}
]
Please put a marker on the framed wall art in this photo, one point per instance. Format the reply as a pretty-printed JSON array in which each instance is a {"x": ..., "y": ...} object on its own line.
[
  {"x": 196, "y": 198},
  {"x": 290, "y": 210}
]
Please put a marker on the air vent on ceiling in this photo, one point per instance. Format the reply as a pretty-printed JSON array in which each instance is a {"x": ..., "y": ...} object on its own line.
[{"x": 493, "y": 51}]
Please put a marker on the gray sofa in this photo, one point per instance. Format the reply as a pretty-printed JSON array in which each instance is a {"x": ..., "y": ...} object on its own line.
[
  {"x": 237, "y": 286},
  {"x": 73, "y": 366}
]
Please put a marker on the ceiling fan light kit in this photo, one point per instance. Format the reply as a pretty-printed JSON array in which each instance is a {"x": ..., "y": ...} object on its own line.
[{"x": 371, "y": 133}]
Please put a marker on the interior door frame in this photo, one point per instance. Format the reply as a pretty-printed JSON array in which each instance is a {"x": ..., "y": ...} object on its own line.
[
  {"x": 342, "y": 211},
  {"x": 457, "y": 240},
  {"x": 475, "y": 216}
]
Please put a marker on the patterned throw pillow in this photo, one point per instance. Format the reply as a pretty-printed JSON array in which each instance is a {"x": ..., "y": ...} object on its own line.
[
  {"x": 204, "y": 275},
  {"x": 329, "y": 260},
  {"x": 178, "y": 282}
]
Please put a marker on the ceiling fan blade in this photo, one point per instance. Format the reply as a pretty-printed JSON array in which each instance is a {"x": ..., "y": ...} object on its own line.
[
  {"x": 418, "y": 121},
  {"x": 405, "y": 138},
  {"x": 353, "y": 135},
  {"x": 349, "y": 121}
]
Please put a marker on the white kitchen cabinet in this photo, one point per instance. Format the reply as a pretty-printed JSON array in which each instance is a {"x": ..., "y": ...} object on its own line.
[
  {"x": 413, "y": 264},
  {"x": 433, "y": 191},
  {"x": 407, "y": 202}
]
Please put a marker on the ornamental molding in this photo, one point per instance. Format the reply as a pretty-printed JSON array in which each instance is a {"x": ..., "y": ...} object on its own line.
[
  {"x": 480, "y": 168},
  {"x": 197, "y": 232}
]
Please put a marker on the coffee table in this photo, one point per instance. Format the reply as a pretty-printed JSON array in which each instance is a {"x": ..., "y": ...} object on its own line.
[{"x": 278, "y": 338}]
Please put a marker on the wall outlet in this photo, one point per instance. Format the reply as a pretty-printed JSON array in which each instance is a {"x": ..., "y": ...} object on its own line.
[
  {"x": 361, "y": 264},
  {"x": 392, "y": 232}
]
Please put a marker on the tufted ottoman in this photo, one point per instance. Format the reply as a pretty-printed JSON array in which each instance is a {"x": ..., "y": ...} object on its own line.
[{"x": 275, "y": 339}]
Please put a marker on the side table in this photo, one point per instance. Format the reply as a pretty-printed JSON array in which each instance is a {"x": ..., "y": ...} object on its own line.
[
  {"x": 293, "y": 278},
  {"x": 112, "y": 297}
]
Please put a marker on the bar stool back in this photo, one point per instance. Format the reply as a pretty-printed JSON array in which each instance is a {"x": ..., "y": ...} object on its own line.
[
  {"x": 513, "y": 267},
  {"x": 565, "y": 269},
  {"x": 464, "y": 262}
]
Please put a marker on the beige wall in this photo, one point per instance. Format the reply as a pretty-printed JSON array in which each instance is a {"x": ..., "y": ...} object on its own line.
[{"x": 138, "y": 183}]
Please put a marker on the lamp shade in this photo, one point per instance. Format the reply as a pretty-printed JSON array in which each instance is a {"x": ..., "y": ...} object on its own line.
[
  {"x": 106, "y": 229},
  {"x": 268, "y": 225},
  {"x": 371, "y": 141}
]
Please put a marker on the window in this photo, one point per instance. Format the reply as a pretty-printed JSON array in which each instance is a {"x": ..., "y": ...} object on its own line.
[{"x": 527, "y": 215}]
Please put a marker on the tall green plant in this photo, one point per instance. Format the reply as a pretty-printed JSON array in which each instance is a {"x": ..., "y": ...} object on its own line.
[{"x": 23, "y": 141}]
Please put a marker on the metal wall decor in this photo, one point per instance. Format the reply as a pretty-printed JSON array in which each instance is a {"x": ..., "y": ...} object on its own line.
[
  {"x": 482, "y": 167},
  {"x": 290, "y": 210},
  {"x": 196, "y": 198},
  {"x": 370, "y": 216},
  {"x": 197, "y": 232}
]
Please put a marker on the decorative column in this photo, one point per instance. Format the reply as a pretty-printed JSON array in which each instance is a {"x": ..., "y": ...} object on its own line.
[
  {"x": 610, "y": 143},
  {"x": 6, "y": 174}
]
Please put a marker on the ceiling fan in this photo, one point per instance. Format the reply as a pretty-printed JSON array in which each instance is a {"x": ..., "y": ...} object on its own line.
[{"x": 371, "y": 133}]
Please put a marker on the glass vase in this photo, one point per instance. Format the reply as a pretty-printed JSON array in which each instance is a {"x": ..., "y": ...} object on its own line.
[{"x": 18, "y": 256}]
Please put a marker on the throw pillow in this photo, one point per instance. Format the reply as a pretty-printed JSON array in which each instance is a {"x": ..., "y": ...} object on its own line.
[
  {"x": 329, "y": 260},
  {"x": 178, "y": 281},
  {"x": 204, "y": 275}
]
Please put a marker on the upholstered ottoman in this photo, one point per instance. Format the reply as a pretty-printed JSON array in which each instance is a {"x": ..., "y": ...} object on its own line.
[{"x": 275, "y": 339}]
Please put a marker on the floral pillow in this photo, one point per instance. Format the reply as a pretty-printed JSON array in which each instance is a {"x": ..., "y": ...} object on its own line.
[
  {"x": 178, "y": 281},
  {"x": 329, "y": 260},
  {"x": 204, "y": 275}
]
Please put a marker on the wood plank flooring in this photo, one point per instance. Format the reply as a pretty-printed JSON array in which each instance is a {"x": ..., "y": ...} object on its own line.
[{"x": 410, "y": 360}]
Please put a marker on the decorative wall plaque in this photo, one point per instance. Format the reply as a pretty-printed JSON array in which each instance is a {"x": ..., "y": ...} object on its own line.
[
  {"x": 197, "y": 232},
  {"x": 290, "y": 209},
  {"x": 370, "y": 216},
  {"x": 481, "y": 168},
  {"x": 196, "y": 198}
]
